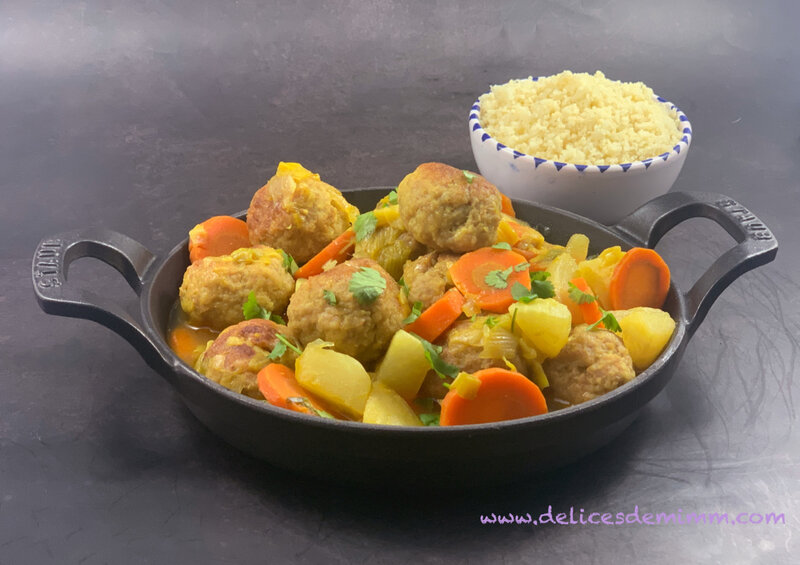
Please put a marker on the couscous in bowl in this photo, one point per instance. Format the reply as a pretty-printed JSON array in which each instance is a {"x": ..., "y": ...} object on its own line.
[{"x": 604, "y": 191}]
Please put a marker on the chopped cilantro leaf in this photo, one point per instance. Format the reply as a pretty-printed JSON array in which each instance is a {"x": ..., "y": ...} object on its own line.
[
  {"x": 277, "y": 351},
  {"x": 491, "y": 321},
  {"x": 392, "y": 197},
  {"x": 521, "y": 293},
  {"x": 403, "y": 285},
  {"x": 277, "y": 319},
  {"x": 285, "y": 341},
  {"x": 578, "y": 296},
  {"x": 432, "y": 354},
  {"x": 608, "y": 320},
  {"x": 367, "y": 284},
  {"x": 522, "y": 267},
  {"x": 469, "y": 176},
  {"x": 303, "y": 401},
  {"x": 540, "y": 286},
  {"x": 288, "y": 262},
  {"x": 513, "y": 320},
  {"x": 251, "y": 309},
  {"x": 329, "y": 297},
  {"x": 429, "y": 419},
  {"x": 364, "y": 225},
  {"x": 502, "y": 245},
  {"x": 498, "y": 278},
  {"x": 416, "y": 310}
]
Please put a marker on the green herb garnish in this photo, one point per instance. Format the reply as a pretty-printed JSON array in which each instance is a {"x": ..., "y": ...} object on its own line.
[
  {"x": 522, "y": 267},
  {"x": 491, "y": 321},
  {"x": 513, "y": 320},
  {"x": 392, "y": 197},
  {"x": 251, "y": 309},
  {"x": 502, "y": 245},
  {"x": 433, "y": 355},
  {"x": 608, "y": 320},
  {"x": 403, "y": 285},
  {"x": 288, "y": 262},
  {"x": 431, "y": 419},
  {"x": 540, "y": 286},
  {"x": 522, "y": 293},
  {"x": 364, "y": 225},
  {"x": 416, "y": 310},
  {"x": 277, "y": 351},
  {"x": 329, "y": 297},
  {"x": 498, "y": 278},
  {"x": 367, "y": 284},
  {"x": 284, "y": 340},
  {"x": 303, "y": 401},
  {"x": 469, "y": 176},
  {"x": 578, "y": 296}
]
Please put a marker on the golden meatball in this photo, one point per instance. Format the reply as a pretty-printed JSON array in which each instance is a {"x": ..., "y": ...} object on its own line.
[
  {"x": 592, "y": 363},
  {"x": 449, "y": 209},
  {"x": 241, "y": 351},
  {"x": 330, "y": 307},
  {"x": 297, "y": 212},
  {"x": 427, "y": 277},
  {"x": 215, "y": 288}
]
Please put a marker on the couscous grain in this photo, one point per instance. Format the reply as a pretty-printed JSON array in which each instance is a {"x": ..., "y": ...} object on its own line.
[{"x": 579, "y": 118}]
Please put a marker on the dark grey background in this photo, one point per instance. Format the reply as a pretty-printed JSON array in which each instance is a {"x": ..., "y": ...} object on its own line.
[{"x": 147, "y": 116}]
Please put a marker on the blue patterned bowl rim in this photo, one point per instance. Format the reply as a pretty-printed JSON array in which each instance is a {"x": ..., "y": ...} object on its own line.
[{"x": 655, "y": 161}]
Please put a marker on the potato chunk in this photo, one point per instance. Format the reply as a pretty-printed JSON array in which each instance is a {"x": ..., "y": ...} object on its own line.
[
  {"x": 545, "y": 323},
  {"x": 384, "y": 406},
  {"x": 645, "y": 333},
  {"x": 335, "y": 377},
  {"x": 404, "y": 366}
]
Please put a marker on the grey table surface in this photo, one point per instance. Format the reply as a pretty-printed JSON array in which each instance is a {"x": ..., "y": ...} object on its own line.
[{"x": 147, "y": 116}]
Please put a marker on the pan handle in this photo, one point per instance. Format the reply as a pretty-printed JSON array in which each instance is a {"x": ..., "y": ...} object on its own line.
[
  {"x": 49, "y": 271},
  {"x": 756, "y": 244}
]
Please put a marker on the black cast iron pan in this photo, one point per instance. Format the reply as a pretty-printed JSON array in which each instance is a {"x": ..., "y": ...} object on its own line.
[{"x": 429, "y": 456}]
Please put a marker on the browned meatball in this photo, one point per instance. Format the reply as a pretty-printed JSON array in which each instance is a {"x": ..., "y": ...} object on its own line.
[
  {"x": 325, "y": 307},
  {"x": 463, "y": 346},
  {"x": 592, "y": 363},
  {"x": 297, "y": 212},
  {"x": 427, "y": 277},
  {"x": 241, "y": 351},
  {"x": 448, "y": 210},
  {"x": 215, "y": 288}
]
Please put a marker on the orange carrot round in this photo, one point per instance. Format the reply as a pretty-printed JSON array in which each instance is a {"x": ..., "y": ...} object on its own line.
[
  {"x": 502, "y": 395},
  {"x": 186, "y": 341},
  {"x": 340, "y": 249},
  {"x": 279, "y": 386},
  {"x": 487, "y": 275},
  {"x": 641, "y": 278},
  {"x": 590, "y": 311},
  {"x": 219, "y": 235},
  {"x": 439, "y": 316}
]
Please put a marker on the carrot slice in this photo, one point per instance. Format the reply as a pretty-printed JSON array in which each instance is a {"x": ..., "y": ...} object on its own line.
[
  {"x": 279, "y": 386},
  {"x": 641, "y": 278},
  {"x": 487, "y": 275},
  {"x": 502, "y": 395},
  {"x": 186, "y": 342},
  {"x": 506, "y": 207},
  {"x": 590, "y": 311},
  {"x": 439, "y": 316},
  {"x": 339, "y": 249},
  {"x": 219, "y": 235}
]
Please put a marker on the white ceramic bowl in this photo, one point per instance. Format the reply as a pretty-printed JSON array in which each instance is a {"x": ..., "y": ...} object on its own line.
[{"x": 605, "y": 193}]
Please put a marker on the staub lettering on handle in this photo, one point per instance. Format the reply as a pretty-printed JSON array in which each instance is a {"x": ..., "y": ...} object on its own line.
[
  {"x": 48, "y": 258},
  {"x": 750, "y": 222}
]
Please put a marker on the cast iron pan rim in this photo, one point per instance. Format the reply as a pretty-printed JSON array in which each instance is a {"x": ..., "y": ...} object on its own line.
[{"x": 551, "y": 418}]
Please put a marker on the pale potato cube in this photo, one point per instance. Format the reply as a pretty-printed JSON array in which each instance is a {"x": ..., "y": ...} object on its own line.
[
  {"x": 334, "y": 377},
  {"x": 404, "y": 366},
  {"x": 384, "y": 406},
  {"x": 645, "y": 333},
  {"x": 545, "y": 323},
  {"x": 597, "y": 272}
]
